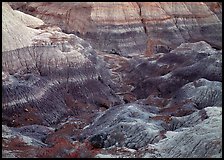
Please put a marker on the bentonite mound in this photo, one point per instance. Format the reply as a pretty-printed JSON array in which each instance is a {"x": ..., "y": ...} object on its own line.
[
  {"x": 43, "y": 83},
  {"x": 131, "y": 28},
  {"x": 191, "y": 136},
  {"x": 117, "y": 79},
  {"x": 49, "y": 82},
  {"x": 171, "y": 71}
]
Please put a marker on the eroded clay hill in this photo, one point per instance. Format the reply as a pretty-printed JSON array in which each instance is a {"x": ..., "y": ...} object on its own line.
[{"x": 117, "y": 79}]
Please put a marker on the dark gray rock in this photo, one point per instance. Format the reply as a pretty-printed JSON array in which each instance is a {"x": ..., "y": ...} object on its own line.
[
  {"x": 187, "y": 63},
  {"x": 48, "y": 81},
  {"x": 201, "y": 92},
  {"x": 126, "y": 125},
  {"x": 204, "y": 139}
]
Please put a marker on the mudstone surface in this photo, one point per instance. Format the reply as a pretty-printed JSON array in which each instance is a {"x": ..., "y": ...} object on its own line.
[{"x": 112, "y": 80}]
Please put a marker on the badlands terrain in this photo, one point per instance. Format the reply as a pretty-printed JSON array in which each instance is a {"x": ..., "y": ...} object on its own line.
[{"x": 112, "y": 79}]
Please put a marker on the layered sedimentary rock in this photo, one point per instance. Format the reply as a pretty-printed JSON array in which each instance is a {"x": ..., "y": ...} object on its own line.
[
  {"x": 159, "y": 77},
  {"x": 170, "y": 24},
  {"x": 202, "y": 93},
  {"x": 189, "y": 62},
  {"x": 124, "y": 125},
  {"x": 65, "y": 97},
  {"x": 134, "y": 28},
  {"x": 52, "y": 82},
  {"x": 196, "y": 141},
  {"x": 13, "y": 29},
  {"x": 22, "y": 30},
  {"x": 178, "y": 106},
  {"x": 190, "y": 139},
  {"x": 51, "y": 79}
]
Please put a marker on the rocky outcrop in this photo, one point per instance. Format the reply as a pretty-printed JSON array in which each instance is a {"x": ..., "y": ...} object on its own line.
[
  {"x": 149, "y": 124},
  {"x": 196, "y": 135},
  {"x": 159, "y": 77},
  {"x": 129, "y": 28},
  {"x": 124, "y": 126},
  {"x": 172, "y": 23},
  {"x": 202, "y": 93},
  {"x": 44, "y": 82},
  {"x": 96, "y": 23},
  {"x": 193, "y": 137},
  {"x": 23, "y": 30},
  {"x": 165, "y": 75},
  {"x": 13, "y": 29},
  {"x": 135, "y": 126},
  {"x": 20, "y": 143},
  {"x": 47, "y": 83},
  {"x": 112, "y": 80},
  {"x": 197, "y": 141}
]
